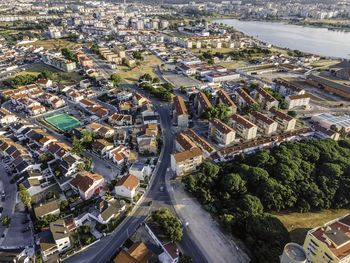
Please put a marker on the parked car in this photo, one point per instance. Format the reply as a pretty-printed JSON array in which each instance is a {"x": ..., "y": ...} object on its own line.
[{"x": 3, "y": 195}]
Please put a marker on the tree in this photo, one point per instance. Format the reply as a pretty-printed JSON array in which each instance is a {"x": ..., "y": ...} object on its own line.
[
  {"x": 77, "y": 146},
  {"x": 168, "y": 223},
  {"x": 116, "y": 79},
  {"x": 68, "y": 54},
  {"x": 25, "y": 196},
  {"x": 250, "y": 205},
  {"x": 292, "y": 113}
]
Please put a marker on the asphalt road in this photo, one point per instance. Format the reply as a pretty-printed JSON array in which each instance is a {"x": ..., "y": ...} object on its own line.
[
  {"x": 9, "y": 203},
  {"x": 102, "y": 251}
]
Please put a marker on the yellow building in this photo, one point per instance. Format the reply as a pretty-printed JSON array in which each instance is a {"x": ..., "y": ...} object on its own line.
[{"x": 329, "y": 243}]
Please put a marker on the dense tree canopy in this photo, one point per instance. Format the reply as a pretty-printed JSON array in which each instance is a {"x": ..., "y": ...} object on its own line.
[
  {"x": 305, "y": 175},
  {"x": 168, "y": 223}
]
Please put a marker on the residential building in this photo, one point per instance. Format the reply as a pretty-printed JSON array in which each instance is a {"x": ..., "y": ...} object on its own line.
[
  {"x": 324, "y": 133},
  {"x": 330, "y": 242},
  {"x": 225, "y": 99},
  {"x": 243, "y": 127},
  {"x": 180, "y": 112},
  {"x": 120, "y": 119},
  {"x": 58, "y": 62},
  {"x": 101, "y": 146},
  {"x": 100, "y": 129},
  {"x": 202, "y": 103},
  {"x": 127, "y": 186},
  {"x": 243, "y": 99},
  {"x": 137, "y": 253},
  {"x": 54, "y": 240},
  {"x": 87, "y": 184},
  {"x": 265, "y": 99},
  {"x": 287, "y": 87},
  {"x": 6, "y": 117},
  {"x": 221, "y": 132},
  {"x": 186, "y": 161},
  {"x": 49, "y": 208},
  {"x": 285, "y": 122},
  {"x": 298, "y": 101},
  {"x": 140, "y": 170},
  {"x": 265, "y": 124}
]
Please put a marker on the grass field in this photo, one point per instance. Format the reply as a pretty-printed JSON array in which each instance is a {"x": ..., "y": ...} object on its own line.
[
  {"x": 298, "y": 224},
  {"x": 63, "y": 122},
  {"x": 147, "y": 66},
  {"x": 53, "y": 44},
  {"x": 58, "y": 76}
]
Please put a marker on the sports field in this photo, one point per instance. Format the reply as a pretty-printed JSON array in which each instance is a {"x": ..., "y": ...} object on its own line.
[{"x": 63, "y": 122}]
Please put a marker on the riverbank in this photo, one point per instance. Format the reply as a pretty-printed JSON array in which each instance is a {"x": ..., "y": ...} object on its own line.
[{"x": 324, "y": 42}]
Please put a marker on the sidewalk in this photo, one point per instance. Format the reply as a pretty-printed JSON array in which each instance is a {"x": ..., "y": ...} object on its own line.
[{"x": 204, "y": 229}]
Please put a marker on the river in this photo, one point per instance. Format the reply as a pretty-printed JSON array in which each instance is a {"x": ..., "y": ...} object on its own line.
[{"x": 320, "y": 41}]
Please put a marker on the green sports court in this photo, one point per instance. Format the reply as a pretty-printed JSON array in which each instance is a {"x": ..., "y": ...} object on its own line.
[{"x": 63, "y": 122}]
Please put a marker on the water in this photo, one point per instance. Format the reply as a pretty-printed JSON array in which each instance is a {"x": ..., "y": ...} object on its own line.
[{"x": 320, "y": 41}]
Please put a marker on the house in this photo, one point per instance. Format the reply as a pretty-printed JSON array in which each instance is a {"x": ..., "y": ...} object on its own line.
[
  {"x": 244, "y": 128},
  {"x": 202, "y": 103},
  {"x": 243, "y": 99},
  {"x": 118, "y": 154},
  {"x": 54, "y": 240},
  {"x": 265, "y": 99},
  {"x": 221, "y": 132},
  {"x": 137, "y": 253},
  {"x": 109, "y": 209},
  {"x": 186, "y": 161},
  {"x": 117, "y": 119},
  {"x": 100, "y": 129},
  {"x": 44, "y": 83},
  {"x": 6, "y": 117},
  {"x": 139, "y": 100},
  {"x": 183, "y": 142},
  {"x": 140, "y": 170},
  {"x": 285, "y": 122},
  {"x": 127, "y": 186},
  {"x": 266, "y": 125},
  {"x": 101, "y": 146},
  {"x": 14, "y": 255},
  {"x": 298, "y": 101},
  {"x": 329, "y": 242},
  {"x": 225, "y": 99},
  {"x": 180, "y": 112},
  {"x": 87, "y": 184},
  {"x": 148, "y": 145},
  {"x": 48, "y": 208}
]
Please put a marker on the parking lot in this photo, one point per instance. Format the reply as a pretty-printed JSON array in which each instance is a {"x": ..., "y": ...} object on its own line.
[{"x": 179, "y": 80}]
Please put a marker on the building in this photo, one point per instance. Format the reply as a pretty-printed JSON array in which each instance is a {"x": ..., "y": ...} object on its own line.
[
  {"x": 327, "y": 120},
  {"x": 127, "y": 186},
  {"x": 139, "y": 170},
  {"x": 58, "y": 62},
  {"x": 243, "y": 99},
  {"x": 335, "y": 86},
  {"x": 330, "y": 242},
  {"x": 137, "y": 253},
  {"x": 48, "y": 208},
  {"x": 287, "y": 87},
  {"x": 225, "y": 99},
  {"x": 87, "y": 184},
  {"x": 244, "y": 128},
  {"x": 202, "y": 103},
  {"x": 285, "y": 122},
  {"x": 324, "y": 133},
  {"x": 265, "y": 124},
  {"x": 6, "y": 117},
  {"x": 218, "y": 76},
  {"x": 221, "y": 132},
  {"x": 186, "y": 161},
  {"x": 293, "y": 253},
  {"x": 265, "y": 99},
  {"x": 55, "y": 239},
  {"x": 180, "y": 112},
  {"x": 297, "y": 101}
]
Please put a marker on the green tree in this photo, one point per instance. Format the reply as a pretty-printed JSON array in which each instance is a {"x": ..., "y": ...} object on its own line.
[
  {"x": 116, "y": 79},
  {"x": 169, "y": 223},
  {"x": 68, "y": 54},
  {"x": 24, "y": 195},
  {"x": 77, "y": 146}
]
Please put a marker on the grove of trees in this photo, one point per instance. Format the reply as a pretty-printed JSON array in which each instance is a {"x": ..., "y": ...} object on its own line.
[
  {"x": 169, "y": 224},
  {"x": 303, "y": 176}
]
